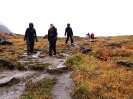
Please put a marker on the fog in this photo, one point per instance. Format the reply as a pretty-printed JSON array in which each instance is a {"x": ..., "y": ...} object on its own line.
[{"x": 102, "y": 17}]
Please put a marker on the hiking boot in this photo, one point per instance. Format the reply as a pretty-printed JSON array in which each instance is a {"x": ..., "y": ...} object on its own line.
[
  {"x": 54, "y": 53},
  {"x": 72, "y": 43},
  {"x": 50, "y": 54}
]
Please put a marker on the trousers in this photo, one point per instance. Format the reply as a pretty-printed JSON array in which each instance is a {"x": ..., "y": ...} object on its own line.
[
  {"x": 68, "y": 39},
  {"x": 30, "y": 47},
  {"x": 52, "y": 47}
]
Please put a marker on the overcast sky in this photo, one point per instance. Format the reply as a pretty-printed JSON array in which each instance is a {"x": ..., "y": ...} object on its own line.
[{"x": 102, "y": 17}]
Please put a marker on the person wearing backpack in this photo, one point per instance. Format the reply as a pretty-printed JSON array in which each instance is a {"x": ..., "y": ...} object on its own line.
[
  {"x": 92, "y": 36},
  {"x": 52, "y": 38},
  {"x": 30, "y": 37},
  {"x": 69, "y": 33}
]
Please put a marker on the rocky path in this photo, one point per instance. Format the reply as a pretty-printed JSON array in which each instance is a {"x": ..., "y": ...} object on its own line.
[
  {"x": 12, "y": 83},
  {"x": 63, "y": 87}
]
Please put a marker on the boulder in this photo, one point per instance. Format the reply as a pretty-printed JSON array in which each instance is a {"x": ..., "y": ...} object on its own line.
[
  {"x": 1, "y": 50},
  {"x": 5, "y": 42},
  {"x": 36, "y": 66},
  {"x": 5, "y": 63},
  {"x": 113, "y": 45},
  {"x": 125, "y": 63},
  {"x": 8, "y": 81},
  {"x": 5, "y": 80},
  {"x": 57, "y": 69},
  {"x": 85, "y": 49},
  {"x": 46, "y": 36}
]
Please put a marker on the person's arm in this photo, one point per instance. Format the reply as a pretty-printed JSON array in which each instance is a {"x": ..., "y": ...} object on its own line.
[
  {"x": 48, "y": 35},
  {"x": 25, "y": 34},
  {"x": 65, "y": 31},
  {"x": 56, "y": 33},
  {"x": 72, "y": 31},
  {"x": 35, "y": 35}
]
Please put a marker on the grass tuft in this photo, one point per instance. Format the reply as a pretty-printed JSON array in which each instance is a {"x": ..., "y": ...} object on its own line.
[
  {"x": 39, "y": 90},
  {"x": 81, "y": 92},
  {"x": 75, "y": 62}
]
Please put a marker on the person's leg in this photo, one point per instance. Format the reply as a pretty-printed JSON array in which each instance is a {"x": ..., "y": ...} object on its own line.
[
  {"x": 28, "y": 48},
  {"x": 31, "y": 47},
  {"x": 67, "y": 39},
  {"x": 54, "y": 47},
  {"x": 50, "y": 48},
  {"x": 71, "y": 39}
]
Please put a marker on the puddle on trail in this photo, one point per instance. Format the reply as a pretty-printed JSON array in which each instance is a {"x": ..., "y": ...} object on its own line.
[{"x": 14, "y": 91}]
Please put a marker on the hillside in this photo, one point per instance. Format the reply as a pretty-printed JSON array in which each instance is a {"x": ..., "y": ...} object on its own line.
[
  {"x": 101, "y": 68},
  {"x": 4, "y": 29},
  {"x": 107, "y": 71}
]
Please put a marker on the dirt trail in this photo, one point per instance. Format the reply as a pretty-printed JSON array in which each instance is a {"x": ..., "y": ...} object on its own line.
[{"x": 62, "y": 88}]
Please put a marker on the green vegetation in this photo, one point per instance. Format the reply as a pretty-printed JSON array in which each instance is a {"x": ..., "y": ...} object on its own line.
[
  {"x": 39, "y": 90},
  {"x": 81, "y": 92},
  {"x": 75, "y": 62}
]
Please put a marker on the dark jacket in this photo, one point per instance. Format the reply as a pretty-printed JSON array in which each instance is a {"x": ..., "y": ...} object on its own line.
[
  {"x": 52, "y": 34},
  {"x": 92, "y": 35},
  {"x": 30, "y": 35},
  {"x": 69, "y": 31}
]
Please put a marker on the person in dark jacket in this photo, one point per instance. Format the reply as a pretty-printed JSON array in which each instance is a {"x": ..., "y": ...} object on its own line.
[
  {"x": 52, "y": 38},
  {"x": 92, "y": 36},
  {"x": 30, "y": 37},
  {"x": 69, "y": 33}
]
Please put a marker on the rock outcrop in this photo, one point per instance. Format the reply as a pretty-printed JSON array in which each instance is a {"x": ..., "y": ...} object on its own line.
[{"x": 125, "y": 63}]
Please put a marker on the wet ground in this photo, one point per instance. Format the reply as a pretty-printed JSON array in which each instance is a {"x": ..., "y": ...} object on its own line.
[
  {"x": 18, "y": 79},
  {"x": 14, "y": 90},
  {"x": 63, "y": 87}
]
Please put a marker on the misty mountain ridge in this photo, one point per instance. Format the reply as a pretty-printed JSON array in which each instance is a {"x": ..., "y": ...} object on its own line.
[{"x": 4, "y": 29}]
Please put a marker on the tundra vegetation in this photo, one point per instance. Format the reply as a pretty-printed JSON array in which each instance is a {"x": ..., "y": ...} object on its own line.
[{"x": 105, "y": 72}]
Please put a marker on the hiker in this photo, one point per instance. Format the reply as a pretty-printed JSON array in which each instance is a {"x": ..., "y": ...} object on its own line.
[
  {"x": 92, "y": 35},
  {"x": 88, "y": 35},
  {"x": 69, "y": 33},
  {"x": 52, "y": 38},
  {"x": 30, "y": 37}
]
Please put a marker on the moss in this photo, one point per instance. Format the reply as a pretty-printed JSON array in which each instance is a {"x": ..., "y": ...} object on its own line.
[
  {"x": 38, "y": 66},
  {"x": 75, "y": 62},
  {"x": 39, "y": 90},
  {"x": 81, "y": 92},
  {"x": 6, "y": 63}
]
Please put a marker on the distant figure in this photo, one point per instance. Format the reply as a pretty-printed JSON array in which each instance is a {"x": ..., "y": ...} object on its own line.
[
  {"x": 52, "y": 38},
  {"x": 88, "y": 35},
  {"x": 69, "y": 33},
  {"x": 92, "y": 35},
  {"x": 30, "y": 37}
]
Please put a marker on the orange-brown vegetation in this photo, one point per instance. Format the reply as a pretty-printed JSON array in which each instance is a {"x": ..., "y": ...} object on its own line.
[
  {"x": 97, "y": 74},
  {"x": 18, "y": 47}
]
